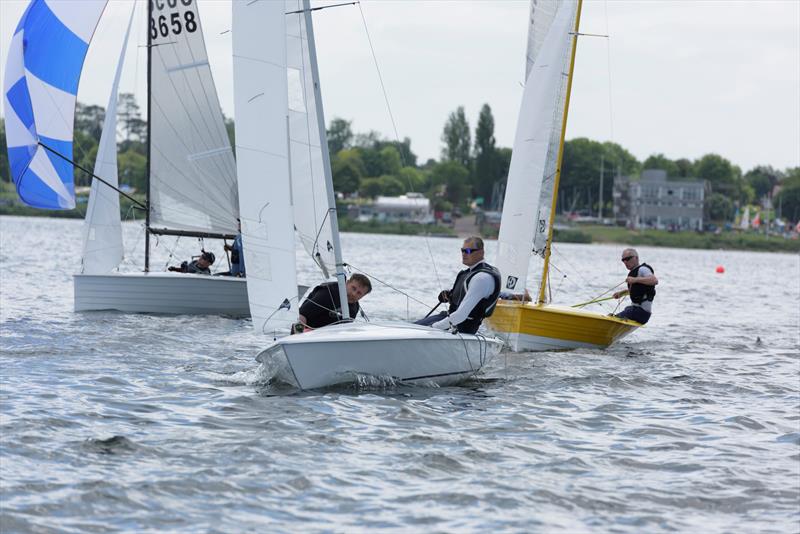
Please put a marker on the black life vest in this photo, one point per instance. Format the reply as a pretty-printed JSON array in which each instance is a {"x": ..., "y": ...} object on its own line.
[
  {"x": 485, "y": 307},
  {"x": 641, "y": 292}
]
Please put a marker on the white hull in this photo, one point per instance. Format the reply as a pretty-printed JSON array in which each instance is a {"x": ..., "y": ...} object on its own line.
[
  {"x": 168, "y": 293},
  {"x": 398, "y": 352},
  {"x": 530, "y": 343}
]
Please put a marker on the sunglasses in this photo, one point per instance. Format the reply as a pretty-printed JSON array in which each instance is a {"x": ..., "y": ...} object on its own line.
[
  {"x": 469, "y": 250},
  {"x": 626, "y": 258}
]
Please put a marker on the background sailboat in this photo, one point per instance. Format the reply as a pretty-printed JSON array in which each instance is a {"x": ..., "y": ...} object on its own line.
[
  {"x": 191, "y": 181},
  {"x": 268, "y": 112},
  {"x": 526, "y": 229}
]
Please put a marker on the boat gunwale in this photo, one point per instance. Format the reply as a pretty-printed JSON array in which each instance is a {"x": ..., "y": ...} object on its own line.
[{"x": 568, "y": 311}]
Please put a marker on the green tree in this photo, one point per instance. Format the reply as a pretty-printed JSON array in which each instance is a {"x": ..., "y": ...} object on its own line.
[
  {"x": 685, "y": 168},
  {"x": 84, "y": 154},
  {"x": 454, "y": 179},
  {"x": 347, "y": 170},
  {"x": 718, "y": 171},
  {"x": 89, "y": 120},
  {"x": 486, "y": 159},
  {"x": 413, "y": 179},
  {"x": 660, "y": 161},
  {"x": 391, "y": 186},
  {"x": 5, "y": 172},
  {"x": 456, "y": 138},
  {"x": 370, "y": 187},
  {"x": 719, "y": 207},
  {"x": 789, "y": 196},
  {"x": 762, "y": 179},
  {"x": 390, "y": 160},
  {"x": 132, "y": 169},
  {"x": 130, "y": 118},
  {"x": 340, "y": 135}
]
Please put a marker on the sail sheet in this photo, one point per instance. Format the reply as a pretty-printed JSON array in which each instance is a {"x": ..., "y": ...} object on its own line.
[
  {"x": 102, "y": 230},
  {"x": 45, "y": 59},
  {"x": 262, "y": 158},
  {"x": 311, "y": 216},
  {"x": 192, "y": 168},
  {"x": 529, "y": 193}
]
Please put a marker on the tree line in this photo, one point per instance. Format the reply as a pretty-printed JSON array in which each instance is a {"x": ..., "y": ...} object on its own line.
[{"x": 471, "y": 165}]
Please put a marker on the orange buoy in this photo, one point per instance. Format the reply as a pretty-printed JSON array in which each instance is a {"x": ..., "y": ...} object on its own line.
[{"x": 720, "y": 269}]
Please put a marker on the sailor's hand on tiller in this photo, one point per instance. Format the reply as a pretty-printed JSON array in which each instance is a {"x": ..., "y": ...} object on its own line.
[{"x": 444, "y": 296}]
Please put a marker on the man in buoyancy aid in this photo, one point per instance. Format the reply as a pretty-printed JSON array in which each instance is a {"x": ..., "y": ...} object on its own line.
[
  {"x": 474, "y": 294},
  {"x": 642, "y": 283}
]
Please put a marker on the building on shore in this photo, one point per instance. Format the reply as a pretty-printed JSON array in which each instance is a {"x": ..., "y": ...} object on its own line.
[
  {"x": 409, "y": 208},
  {"x": 652, "y": 201}
]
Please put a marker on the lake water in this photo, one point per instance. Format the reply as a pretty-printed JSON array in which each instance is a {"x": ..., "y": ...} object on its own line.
[{"x": 114, "y": 422}]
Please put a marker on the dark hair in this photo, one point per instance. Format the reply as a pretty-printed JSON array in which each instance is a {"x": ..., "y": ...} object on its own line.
[
  {"x": 363, "y": 280},
  {"x": 209, "y": 257}
]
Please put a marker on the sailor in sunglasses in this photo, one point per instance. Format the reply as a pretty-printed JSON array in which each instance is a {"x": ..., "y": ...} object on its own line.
[
  {"x": 642, "y": 283},
  {"x": 474, "y": 294}
]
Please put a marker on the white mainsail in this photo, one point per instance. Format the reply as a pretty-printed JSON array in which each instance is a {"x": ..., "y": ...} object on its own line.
[
  {"x": 529, "y": 192},
  {"x": 102, "y": 230},
  {"x": 192, "y": 168},
  {"x": 311, "y": 215},
  {"x": 262, "y": 158}
]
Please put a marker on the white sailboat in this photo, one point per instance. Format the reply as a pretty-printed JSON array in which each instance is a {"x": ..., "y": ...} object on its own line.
[
  {"x": 526, "y": 229},
  {"x": 277, "y": 93},
  {"x": 191, "y": 181}
]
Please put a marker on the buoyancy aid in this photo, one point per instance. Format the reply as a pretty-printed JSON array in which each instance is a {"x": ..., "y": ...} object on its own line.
[
  {"x": 485, "y": 307},
  {"x": 641, "y": 292}
]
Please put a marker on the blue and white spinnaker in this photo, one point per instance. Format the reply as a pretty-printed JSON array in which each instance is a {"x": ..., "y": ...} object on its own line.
[{"x": 44, "y": 65}]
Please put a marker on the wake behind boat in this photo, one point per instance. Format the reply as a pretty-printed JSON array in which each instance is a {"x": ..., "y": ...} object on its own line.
[{"x": 396, "y": 352}]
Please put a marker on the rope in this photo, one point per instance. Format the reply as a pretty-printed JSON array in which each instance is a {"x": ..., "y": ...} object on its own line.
[{"x": 387, "y": 284}]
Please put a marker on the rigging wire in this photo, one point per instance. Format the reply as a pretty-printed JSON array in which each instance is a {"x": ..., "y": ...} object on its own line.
[
  {"x": 387, "y": 284},
  {"x": 394, "y": 128}
]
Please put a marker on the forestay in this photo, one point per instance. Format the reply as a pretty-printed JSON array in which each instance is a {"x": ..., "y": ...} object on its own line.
[
  {"x": 311, "y": 217},
  {"x": 45, "y": 59},
  {"x": 102, "y": 230},
  {"x": 192, "y": 168},
  {"x": 529, "y": 193},
  {"x": 262, "y": 149}
]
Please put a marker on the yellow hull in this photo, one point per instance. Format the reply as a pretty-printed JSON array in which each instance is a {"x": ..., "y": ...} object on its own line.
[{"x": 543, "y": 327}]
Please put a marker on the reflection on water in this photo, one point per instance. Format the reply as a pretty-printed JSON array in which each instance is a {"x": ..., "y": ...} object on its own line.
[{"x": 136, "y": 423}]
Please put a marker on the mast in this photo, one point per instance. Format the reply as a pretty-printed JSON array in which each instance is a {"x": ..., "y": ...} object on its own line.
[
  {"x": 549, "y": 241},
  {"x": 326, "y": 162},
  {"x": 150, "y": 24}
]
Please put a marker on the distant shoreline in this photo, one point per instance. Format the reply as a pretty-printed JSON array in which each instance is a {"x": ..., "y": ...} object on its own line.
[{"x": 733, "y": 240}]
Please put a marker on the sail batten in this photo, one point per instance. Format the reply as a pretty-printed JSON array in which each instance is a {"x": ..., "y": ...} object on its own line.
[{"x": 192, "y": 168}]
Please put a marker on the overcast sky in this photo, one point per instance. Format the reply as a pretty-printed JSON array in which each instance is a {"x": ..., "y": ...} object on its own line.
[{"x": 681, "y": 77}]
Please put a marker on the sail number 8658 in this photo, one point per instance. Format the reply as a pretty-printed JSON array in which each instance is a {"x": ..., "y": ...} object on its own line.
[{"x": 175, "y": 24}]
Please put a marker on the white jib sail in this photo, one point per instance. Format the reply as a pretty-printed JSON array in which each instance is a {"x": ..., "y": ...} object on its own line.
[
  {"x": 102, "y": 230},
  {"x": 311, "y": 218},
  {"x": 192, "y": 169},
  {"x": 262, "y": 158},
  {"x": 525, "y": 211}
]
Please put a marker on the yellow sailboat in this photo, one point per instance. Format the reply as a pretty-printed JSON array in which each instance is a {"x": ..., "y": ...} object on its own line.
[{"x": 526, "y": 229}]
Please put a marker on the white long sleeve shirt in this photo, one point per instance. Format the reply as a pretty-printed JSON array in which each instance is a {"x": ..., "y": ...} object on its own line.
[{"x": 480, "y": 287}]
